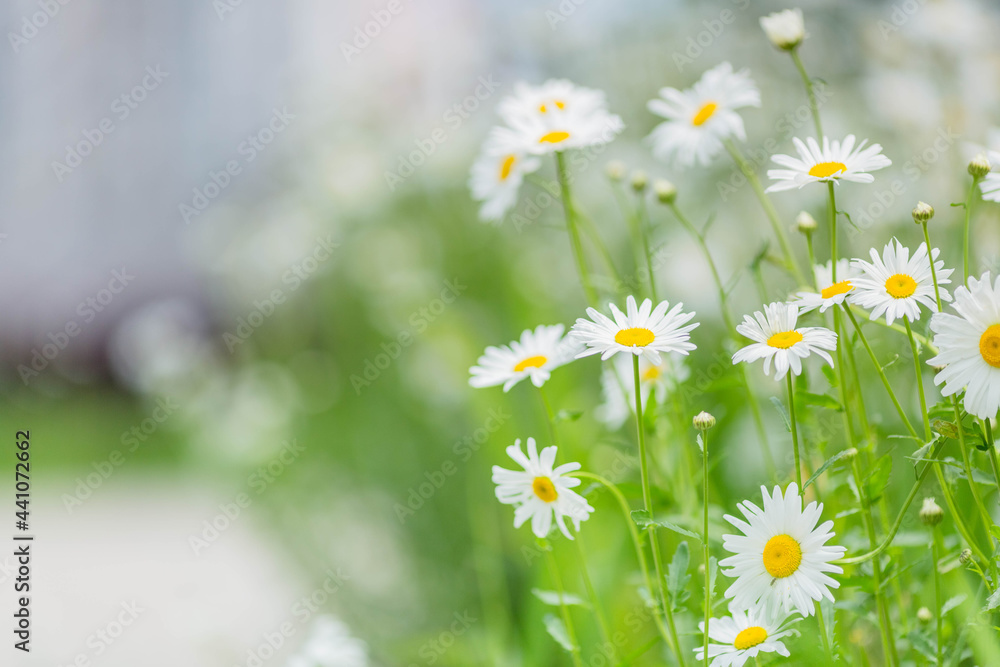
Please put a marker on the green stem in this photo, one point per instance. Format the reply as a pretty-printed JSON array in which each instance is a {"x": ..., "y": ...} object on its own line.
[
  {"x": 594, "y": 600},
  {"x": 590, "y": 229},
  {"x": 937, "y": 290},
  {"x": 769, "y": 210},
  {"x": 881, "y": 372},
  {"x": 567, "y": 619},
  {"x": 812, "y": 258},
  {"x": 647, "y": 498},
  {"x": 727, "y": 317},
  {"x": 899, "y": 518},
  {"x": 936, "y": 555},
  {"x": 969, "y": 200},
  {"x": 636, "y": 541},
  {"x": 833, "y": 230},
  {"x": 708, "y": 584},
  {"x": 550, "y": 417},
  {"x": 885, "y": 627},
  {"x": 574, "y": 233},
  {"x": 642, "y": 227},
  {"x": 795, "y": 431},
  {"x": 920, "y": 380},
  {"x": 967, "y": 465},
  {"x": 992, "y": 451},
  {"x": 923, "y": 340},
  {"x": 822, "y": 630},
  {"x": 813, "y": 106}
]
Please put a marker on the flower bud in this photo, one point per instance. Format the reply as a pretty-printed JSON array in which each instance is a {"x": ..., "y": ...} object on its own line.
[
  {"x": 615, "y": 170},
  {"x": 922, "y": 212},
  {"x": 980, "y": 166},
  {"x": 965, "y": 556},
  {"x": 924, "y": 615},
  {"x": 703, "y": 421},
  {"x": 639, "y": 180},
  {"x": 665, "y": 191},
  {"x": 785, "y": 29},
  {"x": 805, "y": 223},
  {"x": 851, "y": 453},
  {"x": 931, "y": 514}
]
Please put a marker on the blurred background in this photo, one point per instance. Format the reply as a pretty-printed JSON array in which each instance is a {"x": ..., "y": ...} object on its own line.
[{"x": 241, "y": 286}]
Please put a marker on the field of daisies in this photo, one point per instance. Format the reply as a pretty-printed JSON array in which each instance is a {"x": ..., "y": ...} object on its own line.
[{"x": 863, "y": 530}]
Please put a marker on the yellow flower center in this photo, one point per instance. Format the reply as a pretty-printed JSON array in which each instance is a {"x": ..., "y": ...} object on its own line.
[
  {"x": 784, "y": 339},
  {"x": 652, "y": 373},
  {"x": 750, "y": 637},
  {"x": 989, "y": 346},
  {"x": 531, "y": 362},
  {"x": 634, "y": 336},
  {"x": 559, "y": 105},
  {"x": 507, "y": 165},
  {"x": 558, "y": 136},
  {"x": 843, "y": 287},
  {"x": 704, "y": 114},
  {"x": 545, "y": 489},
  {"x": 782, "y": 556},
  {"x": 827, "y": 169},
  {"x": 900, "y": 286}
]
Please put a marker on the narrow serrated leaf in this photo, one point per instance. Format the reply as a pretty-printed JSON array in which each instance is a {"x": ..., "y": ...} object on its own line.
[
  {"x": 551, "y": 598},
  {"x": 951, "y": 603},
  {"x": 819, "y": 471},
  {"x": 557, "y": 629},
  {"x": 780, "y": 407}
]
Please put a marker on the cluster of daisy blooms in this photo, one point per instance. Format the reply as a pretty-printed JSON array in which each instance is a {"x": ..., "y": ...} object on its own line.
[{"x": 780, "y": 563}]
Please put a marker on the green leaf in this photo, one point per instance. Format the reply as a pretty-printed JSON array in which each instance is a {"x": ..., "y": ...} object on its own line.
[
  {"x": 677, "y": 576},
  {"x": 923, "y": 644},
  {"x": 780, "y": 407},
  {"x": 557, "y": 629},
  {"x": 551, "y": 598},
  {"x": 992, "y": 602},
  {"x": 568, "y": 415},
  {"x": 879, "y": 476},
  {"x": 921, "y": 453},
  {"x": 995, "y": 530},
  {"x": 951, "y": 603},
  {"x": 829, "y": 462},
  {"x": 643, "y": 520},
  {"x": 819, "y": 401}
]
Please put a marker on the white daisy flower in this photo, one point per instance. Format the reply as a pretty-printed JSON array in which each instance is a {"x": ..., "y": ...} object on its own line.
[
  {"x": 896, "y": 284},
  {"x": 558, "y": 116},
  {"x": 743, "y": 635},
  {"x": 990, "y": 185},
  {"x": 835, "y": 161},
  {"x": 700, "y": 118},
  {"x": 534, "y": 356},
  {"x": 777, "y": 339},
  {"x": 497, "y": 174},
  {"x": 830, "y": 293},
  {"x": 541, "y": 492},
  {"x": 618, "y": 385},
  {"x": 781, "y": 559},
  {"x": 785, "y": 29},
  {"x": 969, "y": 347},
  {"x": 553, "y": 96},
  {"x": 641, "y": 330}
]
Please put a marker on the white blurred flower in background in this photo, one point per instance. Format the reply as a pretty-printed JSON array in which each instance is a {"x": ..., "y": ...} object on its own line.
[
  {"x": 618, "y": 385},
  {"x": 701, "y": 118},
  {"x": 497, "y": 174},
  {"x": 330, "y": 644},
  {"x": 785, "y": 29}
]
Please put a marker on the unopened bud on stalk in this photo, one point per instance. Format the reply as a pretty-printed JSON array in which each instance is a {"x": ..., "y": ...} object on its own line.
[
  {"x": 805, "y": 223},
  {"x": 965, "y": 556},
  {"x": 665, "y": 191},
  {"x": 980, "y": 166},
  {"x": 615, "y": 170},
  {"x": 785, "y": 29},
  {"x": 851, "y": 453},
  {"x": 639, "y": 180},
  {"x": 931, "y": 514},
  {"x": 924, "y": 615},
  {"x": 922, "y": 212},
  {"x": 703, "y": 421}
]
